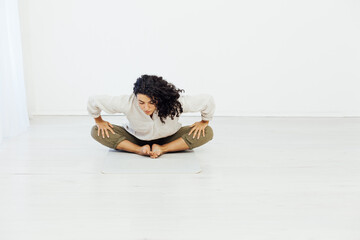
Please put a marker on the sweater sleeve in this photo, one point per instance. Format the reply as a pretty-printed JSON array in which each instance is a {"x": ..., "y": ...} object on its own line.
[
  {"x": 203, "y": 103},
  {"x": 108, "y": 104}
]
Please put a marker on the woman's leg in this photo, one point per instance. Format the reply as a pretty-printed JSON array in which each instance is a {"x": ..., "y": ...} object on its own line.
[
  {"x": 181, "y": 140},
  {"x": 134, "y": 148},
  {"x": 122, "y": 140}
]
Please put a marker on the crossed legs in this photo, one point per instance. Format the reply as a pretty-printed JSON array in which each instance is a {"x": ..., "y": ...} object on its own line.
[
  {"x": 179, "y": 141},
  {"x": 156, "y": 149}
]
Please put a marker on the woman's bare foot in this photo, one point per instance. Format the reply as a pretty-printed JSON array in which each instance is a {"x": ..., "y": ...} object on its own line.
[
  {"x": 156, "y": 151},
  {"x": 144, "y": 150}
]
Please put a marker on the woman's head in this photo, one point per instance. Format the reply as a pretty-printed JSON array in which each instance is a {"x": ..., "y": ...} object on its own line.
[{"x": 153, "y": 93}]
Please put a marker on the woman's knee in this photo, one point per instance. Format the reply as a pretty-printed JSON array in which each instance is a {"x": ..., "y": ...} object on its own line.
[
  {"x": 209, "y": 132},
  {"x": 195, "y": 142},
  {"x": 106, "y": 141},
  {"x": 114, "y": 139},
  {"x": 94, "y": 132}
]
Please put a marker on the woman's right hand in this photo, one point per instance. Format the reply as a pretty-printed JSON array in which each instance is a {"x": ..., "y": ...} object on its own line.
[{"x": 104, "y": 126}]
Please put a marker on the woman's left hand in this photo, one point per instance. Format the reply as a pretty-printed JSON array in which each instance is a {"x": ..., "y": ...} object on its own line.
[{"x": 199, "y": 127}]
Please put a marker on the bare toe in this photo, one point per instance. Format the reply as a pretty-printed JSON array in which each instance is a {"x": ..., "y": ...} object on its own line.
[
  {"x": 156, "y": 150},
  {"x": 145, "y": 150}
]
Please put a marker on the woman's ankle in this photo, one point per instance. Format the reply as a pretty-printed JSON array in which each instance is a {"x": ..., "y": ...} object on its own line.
[{"x": 128, "y": 146}]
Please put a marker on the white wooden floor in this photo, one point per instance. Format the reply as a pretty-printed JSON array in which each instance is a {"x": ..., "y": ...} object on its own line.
[{"x": 262, "y": 178}]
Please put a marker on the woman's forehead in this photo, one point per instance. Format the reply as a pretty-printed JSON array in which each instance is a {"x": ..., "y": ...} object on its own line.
[{"x": 143, "y": 97}]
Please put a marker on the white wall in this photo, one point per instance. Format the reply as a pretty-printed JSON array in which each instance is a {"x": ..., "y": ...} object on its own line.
[{"x": 257, "y": 58}]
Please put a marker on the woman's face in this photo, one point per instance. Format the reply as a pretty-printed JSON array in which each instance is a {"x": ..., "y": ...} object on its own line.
[{"x": 146, "y": 104}]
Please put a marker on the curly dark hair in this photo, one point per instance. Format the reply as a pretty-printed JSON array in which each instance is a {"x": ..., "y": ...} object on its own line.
[{"x": 164, "y": 94}]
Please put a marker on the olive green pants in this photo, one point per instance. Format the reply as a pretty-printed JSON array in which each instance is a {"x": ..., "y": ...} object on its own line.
[{"x": 121, "y": 134}]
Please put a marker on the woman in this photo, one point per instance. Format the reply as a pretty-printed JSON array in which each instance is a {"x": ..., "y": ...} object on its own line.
[{"x": 153, "y": 111}]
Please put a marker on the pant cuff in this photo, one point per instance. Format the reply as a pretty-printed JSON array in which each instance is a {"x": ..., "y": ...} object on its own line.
[
  {"x": 119, "y": 141},
  {"x": 187, "y": 142}
]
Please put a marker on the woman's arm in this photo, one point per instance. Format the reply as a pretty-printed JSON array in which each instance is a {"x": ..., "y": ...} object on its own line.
[
  {"x": 205, "y": 104},
  {"x": 108, "y": 104}
]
